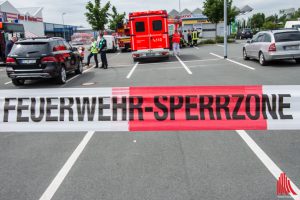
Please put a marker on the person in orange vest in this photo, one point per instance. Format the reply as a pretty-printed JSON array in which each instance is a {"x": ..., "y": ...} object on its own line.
[{"x": 176, "y": 43}]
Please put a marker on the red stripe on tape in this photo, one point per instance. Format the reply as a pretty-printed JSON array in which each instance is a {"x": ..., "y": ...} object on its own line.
[{"x": 195, "y": 108}]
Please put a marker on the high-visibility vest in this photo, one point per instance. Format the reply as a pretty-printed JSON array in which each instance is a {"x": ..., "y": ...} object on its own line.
[
  {"x": 195, "y": 35},
  {"x": 94, "y": 48}
]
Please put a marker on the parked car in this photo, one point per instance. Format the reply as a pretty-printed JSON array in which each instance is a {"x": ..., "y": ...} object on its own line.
[
  {"x": 273, "y": 45},
  {"x": 244, "y": 34},
  {"x": 42, "y": 58}
]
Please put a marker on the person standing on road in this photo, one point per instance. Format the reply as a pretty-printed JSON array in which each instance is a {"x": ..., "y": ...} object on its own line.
[
  {"x": 189, "y": 38},
  {"x": 10, "y": 45},
  {"x": 102, "y": 49},
  {"x": 94, "y": 53},
  {"x": 176, "y": 43},
  {"x": 195, "y": 37}
]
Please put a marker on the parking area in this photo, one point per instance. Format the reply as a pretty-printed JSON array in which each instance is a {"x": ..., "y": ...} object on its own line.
[{"x": 155, "y": 165}]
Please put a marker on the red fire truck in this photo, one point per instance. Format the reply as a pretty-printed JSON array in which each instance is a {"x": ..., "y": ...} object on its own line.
[
  {"x": 123, "y": 36},
  {"x": 149, "y": 34}
]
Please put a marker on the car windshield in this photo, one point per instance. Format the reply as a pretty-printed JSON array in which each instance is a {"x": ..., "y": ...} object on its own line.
[
  {"x": 36, "y": 48},
  {"x": 287, "y": 36}
]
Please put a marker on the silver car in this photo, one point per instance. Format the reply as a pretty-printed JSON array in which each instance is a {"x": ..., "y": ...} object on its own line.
[{"x": 273, "y": 45}]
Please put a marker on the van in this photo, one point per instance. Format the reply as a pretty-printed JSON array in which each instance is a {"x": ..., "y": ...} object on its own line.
[
  {"x": 293, "y": 24},
  {"x": 111, "y": 43},
  {"x": 149, "y": 34}
]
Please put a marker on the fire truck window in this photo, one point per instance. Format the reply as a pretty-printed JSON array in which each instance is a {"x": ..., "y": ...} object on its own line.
[
  {"x": 157, "y": 25},
  {"x": 140, "y": 27}
]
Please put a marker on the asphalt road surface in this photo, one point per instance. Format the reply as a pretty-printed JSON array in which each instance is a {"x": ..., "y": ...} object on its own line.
[{"x": 154, "y": 165}]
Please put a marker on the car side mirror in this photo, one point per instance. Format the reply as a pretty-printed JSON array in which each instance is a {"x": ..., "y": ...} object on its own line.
[
  {"x": 74, "y": 49},
  {"x": 249, "y": 41}
]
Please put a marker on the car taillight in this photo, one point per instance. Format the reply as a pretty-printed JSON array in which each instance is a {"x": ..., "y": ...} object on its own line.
[
  {"x": 49, "y": 59},
  {"x": 272, "y": 47},
  {"x": 10, "y": 60},
  {"x": 136, "y": 55},
  {"x": 165, "y": 53}
]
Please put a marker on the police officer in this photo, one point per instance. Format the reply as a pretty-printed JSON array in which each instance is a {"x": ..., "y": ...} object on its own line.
[
  {"x": 94, "y": 52},
  {"x": 102, "y": 49}
]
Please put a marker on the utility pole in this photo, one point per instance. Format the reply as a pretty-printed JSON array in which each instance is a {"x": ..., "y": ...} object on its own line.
[
  {"x": 62, "y": 15},
  {"x": 225, "y": 29},
  {"x": 179, "y": 6}
]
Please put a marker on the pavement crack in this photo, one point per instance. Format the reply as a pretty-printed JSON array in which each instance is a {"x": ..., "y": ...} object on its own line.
[{"x": 186, "y": 175}]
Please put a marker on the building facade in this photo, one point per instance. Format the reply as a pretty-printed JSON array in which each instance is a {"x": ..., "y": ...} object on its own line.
[
  {"x": 31, "y": 18},
  {"x": 59, "y": 30}
]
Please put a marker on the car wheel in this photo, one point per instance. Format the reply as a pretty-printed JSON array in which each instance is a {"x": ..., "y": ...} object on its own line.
[
  {"x": 62, "y": 76},
  {"x": 262, "y": 60},
  {"x": 18, "y": 82},
  {"x": 297, "y": 61},
  {"x": 245, "y": 54},
  {"x": 79, "y": 69}
]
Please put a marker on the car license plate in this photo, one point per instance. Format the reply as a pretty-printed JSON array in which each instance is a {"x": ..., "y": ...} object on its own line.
[
  {"x": 150, "y": 54},
  {"x": 28, "y": 61},
  {"x": 291, "y": 48}
]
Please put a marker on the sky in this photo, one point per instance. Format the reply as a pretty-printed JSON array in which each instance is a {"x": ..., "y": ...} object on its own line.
[{"x": 75, "y": 9}]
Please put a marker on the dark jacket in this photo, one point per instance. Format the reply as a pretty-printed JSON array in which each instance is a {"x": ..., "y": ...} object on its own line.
[
  {"x": 8, "y": 47},
  {"x": 103, "y": 46}
]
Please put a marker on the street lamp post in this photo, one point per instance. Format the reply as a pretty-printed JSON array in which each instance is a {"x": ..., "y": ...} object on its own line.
[
  {"x": 225, "y": 29},
  {"x": 179, "y": 6},
  {"x": 62, "y": 15}
]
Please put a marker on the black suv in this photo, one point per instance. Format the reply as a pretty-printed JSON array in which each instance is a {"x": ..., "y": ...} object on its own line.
[
  {"x": 244, "y": 34},
  {"x": 41, "y": 58}
]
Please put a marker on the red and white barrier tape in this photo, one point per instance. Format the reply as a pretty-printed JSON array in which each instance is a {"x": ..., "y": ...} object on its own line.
[{"x": 151, "y": 109}]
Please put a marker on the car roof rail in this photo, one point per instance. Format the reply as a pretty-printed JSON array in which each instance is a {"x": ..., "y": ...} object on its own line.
[{"x": 37, "y": 38}]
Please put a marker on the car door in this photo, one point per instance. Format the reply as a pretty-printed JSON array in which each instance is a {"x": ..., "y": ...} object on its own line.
[
  {"x": 250, "y": 47},
  {"x": 140, "y": 33},
  {"x": 257, "y": 45},
  {"x": 158, "y": 30}
]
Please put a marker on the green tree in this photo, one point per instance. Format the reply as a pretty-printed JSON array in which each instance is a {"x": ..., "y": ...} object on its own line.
[
  {"x": 214, "y": 10},
  {"x": 116, "y": 18},
  {"x": 97, "y": 16},
  {"x": 268, "y": 25},
  {"x": 272, "y": 18},
  {"x": 257, "y": 20},
  {"x": 296, "y": 15}
]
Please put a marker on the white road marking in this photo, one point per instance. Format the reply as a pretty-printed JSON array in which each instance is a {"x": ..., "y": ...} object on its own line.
[
  {"x": 80, "y": 74},
  {"x": 9, "y": 82},
  {"x": 196, "y": 47},
  {"x": 235, "y": 62},
  {"x": 90, "y": 68},
  {"x": 216, "y": 55},
  {"x": 184, "y": 65},
  {"x": 238, "y": 63},
  {"x": 266, "y": 160},
  {"x": 59, "y": 178},
  {"x": 132, "y": 70},
  {"x": 219, "y": 45},
  {"x": 187, "y": 61}
]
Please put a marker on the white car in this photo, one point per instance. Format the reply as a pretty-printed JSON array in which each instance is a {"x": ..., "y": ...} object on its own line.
[
  {"x": 273, "y": 45},
  {"x": 293, "y": 24}
]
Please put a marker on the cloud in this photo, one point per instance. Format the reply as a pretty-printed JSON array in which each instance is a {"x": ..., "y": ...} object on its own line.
[{"x": 75, "y": 9}]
